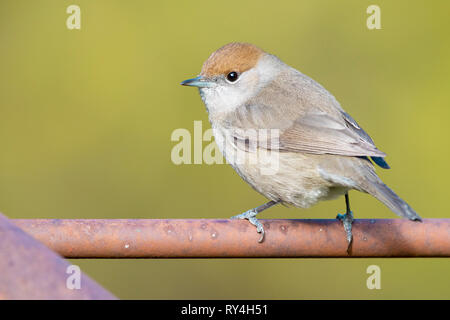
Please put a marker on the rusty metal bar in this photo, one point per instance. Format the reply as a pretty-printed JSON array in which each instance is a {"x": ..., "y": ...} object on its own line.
[
  {"x": 29, "y": 270},
  {"x": 154, "y": 238}
]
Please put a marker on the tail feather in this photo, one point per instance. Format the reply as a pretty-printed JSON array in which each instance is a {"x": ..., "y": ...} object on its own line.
[
  {"x": 385, "y": 194},
  {"x": 381, "y": 162}
]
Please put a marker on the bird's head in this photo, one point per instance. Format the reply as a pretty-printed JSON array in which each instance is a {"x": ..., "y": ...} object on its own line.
[{"x": 233, "y": 74}]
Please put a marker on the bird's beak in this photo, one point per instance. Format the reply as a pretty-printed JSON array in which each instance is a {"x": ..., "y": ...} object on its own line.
[{"x": 199, "y": 82}]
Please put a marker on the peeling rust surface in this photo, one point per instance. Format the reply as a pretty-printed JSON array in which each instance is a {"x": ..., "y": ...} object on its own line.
[
  {"x": 202, "y": 238},
  {"x": 29, "y": 270}
]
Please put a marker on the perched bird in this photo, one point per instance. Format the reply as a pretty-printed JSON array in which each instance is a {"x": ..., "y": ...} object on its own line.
[{"x": 317, "y": 151}]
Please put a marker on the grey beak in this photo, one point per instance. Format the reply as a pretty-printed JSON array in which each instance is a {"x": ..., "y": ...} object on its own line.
[{"x": 199, "y": 82}]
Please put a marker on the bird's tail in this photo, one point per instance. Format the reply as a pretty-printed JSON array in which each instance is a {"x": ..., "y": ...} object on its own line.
[{"x": 385, "y": 194}]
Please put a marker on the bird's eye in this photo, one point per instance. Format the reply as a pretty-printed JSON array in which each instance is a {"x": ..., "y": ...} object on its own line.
[{"x": 232, "y": 76}]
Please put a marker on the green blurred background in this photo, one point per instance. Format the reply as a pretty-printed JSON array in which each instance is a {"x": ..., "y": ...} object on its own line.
[{"x": 86, "y": 118}]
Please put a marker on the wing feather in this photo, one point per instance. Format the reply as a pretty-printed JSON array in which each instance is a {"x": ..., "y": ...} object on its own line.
[{"x": 309, "y": 119}]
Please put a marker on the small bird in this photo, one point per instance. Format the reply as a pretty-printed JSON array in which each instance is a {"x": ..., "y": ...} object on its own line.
[{"x": 264, "y": 112}]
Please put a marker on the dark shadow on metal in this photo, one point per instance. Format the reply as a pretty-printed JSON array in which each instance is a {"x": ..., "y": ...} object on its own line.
[
  {"x": 155, "y": 238},
  {"x": 29, "y": 270}
]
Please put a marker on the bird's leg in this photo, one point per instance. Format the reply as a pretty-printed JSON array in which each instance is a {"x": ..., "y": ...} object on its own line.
[
  {"x": 250, "y": 215},
  {"x": 347, "y": 220}
]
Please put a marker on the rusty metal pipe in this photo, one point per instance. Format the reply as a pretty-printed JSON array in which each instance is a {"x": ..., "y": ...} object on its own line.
[
  {"x": 29, "y": 270},
  {"x": 159, "y": 238}
]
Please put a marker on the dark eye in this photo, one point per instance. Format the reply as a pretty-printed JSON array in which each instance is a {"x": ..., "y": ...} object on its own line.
[{"x": 232, "y": 76}]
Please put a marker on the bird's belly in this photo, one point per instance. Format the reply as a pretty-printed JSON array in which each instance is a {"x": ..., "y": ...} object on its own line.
[
  {"x": 292, "y": 178},
  {"x": 297, "y": 182}
]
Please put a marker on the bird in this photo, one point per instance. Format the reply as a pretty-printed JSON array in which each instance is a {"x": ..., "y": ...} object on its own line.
[{"x": 287, "y": 136}]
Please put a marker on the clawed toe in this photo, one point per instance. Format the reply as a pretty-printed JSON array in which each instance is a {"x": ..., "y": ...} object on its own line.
[
  {"x": 246, "y": 215},
  {"x": 250, "y": 215},
  {"x": 347, "y": 221}
]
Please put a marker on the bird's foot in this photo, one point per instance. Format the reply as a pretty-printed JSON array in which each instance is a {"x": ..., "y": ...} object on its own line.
[
  {"x": 347, "y": 220},
  {"x": 250, "y": 215}
]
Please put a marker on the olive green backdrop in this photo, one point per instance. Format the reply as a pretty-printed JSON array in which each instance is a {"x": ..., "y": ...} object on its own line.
[{"x": 86, "y": 117}]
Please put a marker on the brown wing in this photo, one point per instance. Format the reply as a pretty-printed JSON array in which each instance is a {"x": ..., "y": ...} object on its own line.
[
  {"x": 309, "y": 120},
  {"x": 320, "y": 133}
]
